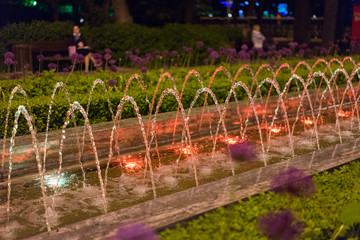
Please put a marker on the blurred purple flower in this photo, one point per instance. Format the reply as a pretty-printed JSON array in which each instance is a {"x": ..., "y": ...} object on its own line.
[
  {"x": 57, "y": 56},
  {"x": 187, "y": 49},
  {"x": 280, "y": 225},
  {"x": 149, "y": 57},
  {"x": 199, "y": 43},
  {"x": 40, "y": 57},
  {"x": 128, "y": 52},
  {"x": 210, "y": 50},
  {"x": 80, "y": 58},
  {"x": 242, "y": 151},
  {"x": 165, "y": 53},
  {"x": 231, "y": 52},
  {"x": 52, "y": 66},
  {"x": 111, "y": 82},
  {"x": 9, "y": 55},
  {"x": 97, "y": 56},
  {"x": 137, "y": 51},
  {"x": 99, "y": 62},
  {"x": 303, "y": 46},
  {"x": 113, "y": 68},
  {"x": 174, "y": 53},
  {"x": 156, "y": 52},
  {"x": 112, "y": 62},
  {"x": 16, "y": 62},
  {"x": 244, "y": 47},
  {"x": 107, "y": 56},
  {"x": 27, "y": 66},
  {"x": 323, "y": 51},
  {"x": 143, "y": 70},
  {"x": 243, "y": 55},
  {"x": 74, "y": 58},
  {"x": 8, "y": 61},
  {"x": 251, "y": 52},
  {"x": 70, "y": 67},
  {"x": 135, "y": 232},
  {"x": 206, "y": 61},
  {"x": 293, "y": 45},
  {"x": 214, "y": 55},
  {"x": 301, "y": 52},
  {"x": 222, "y": 51},
  {"x": 107, "y": 50},
  {"x": 293, "y": 182},
  {"x": 65, "y": 70}
]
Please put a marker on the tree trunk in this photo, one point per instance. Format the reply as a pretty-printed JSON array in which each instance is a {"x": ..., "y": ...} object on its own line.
[
  {"x": 55, "y": 9},
  {"x": 329, "y": 28},
  {"x": 302, "y": 21},
  {"x": 189, "y": 11},
  {"x": 121, "y": 11},
  {"x": 106, "y": 7}
]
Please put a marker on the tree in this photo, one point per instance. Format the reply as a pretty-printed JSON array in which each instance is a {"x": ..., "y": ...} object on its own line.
[
  {"x": 302, "y": 20},
  {"x": 121, "y": 11},
  {"x": 330, "y": 17}
]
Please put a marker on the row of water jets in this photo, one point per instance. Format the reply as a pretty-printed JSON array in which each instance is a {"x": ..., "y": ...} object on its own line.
[{"x": 326, "y": 86}]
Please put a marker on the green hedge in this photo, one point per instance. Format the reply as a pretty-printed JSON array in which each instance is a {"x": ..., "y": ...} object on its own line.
[
  {"x": 321, "y": 213},
  {"x": 121, "y": 37}
]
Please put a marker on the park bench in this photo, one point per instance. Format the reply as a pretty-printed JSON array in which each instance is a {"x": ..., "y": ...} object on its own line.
[{"x": 27, "y": 53}]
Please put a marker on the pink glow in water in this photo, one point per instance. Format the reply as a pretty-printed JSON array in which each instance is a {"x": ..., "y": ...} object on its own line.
[
  {"x": 344, "y": 113},
  {"x": 308, "y": 121}
]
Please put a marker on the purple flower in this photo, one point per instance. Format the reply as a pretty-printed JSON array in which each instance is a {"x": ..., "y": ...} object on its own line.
[
  {"x": 8, "y": 61},
  {"x": 301, "y": 52},
  {"x": 112, "y": 62},
  {"x": 9, "y": 55},
  {"x": 293, "y": 182},
  {"x": 111, "y": 82},
  {"x": 199, "y": 43},
  {"x": 40, "y": 57},
  {"x": 57, "y": 56},
  {"x": 231, "y": 52},
  {"x": 97, "y": 56},
  {"x": 107, "y": 50},
  {"x": 280, "y": 225},
  {"x": 52, "y": 66},
  {"x": 128, "y": 52},
  {"x": 210, "y": 50},
  {"x": 156, "y": 52},
  {"x": 137, "y": 51},
  {"x": 222, "y": 50},
  {"x": 165, "y": 52},
  {"x": 174, "y": 53},
  {"x": 80, "y": 58},
  {"x": 149, "y": 57},
  {"x": 113, "y": 68},
  {"x": 70, "y": 67},
  {"x": 99, "y": 62},
  {"x": 74, "y": 58},
  {"x": 303, "y": 46},
  {"x": 135, "y": 232},
  {"x": 107, "y": 56},
  {"x": 143, "y": 70},
  {"x": 242, "y": 151},
  {"x": 244, "y": 47},
  {"x": 16, "y": 62},
  {"x": 65, "y": 70},
  {"x": 214, "y": 55},
  {"x": 323, "y": 51},
  {"x": 293, "y": 45},
  {"x": 187, "y": 49}
]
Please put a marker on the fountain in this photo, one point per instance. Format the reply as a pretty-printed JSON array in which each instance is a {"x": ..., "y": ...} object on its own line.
[{"x": 191, "y": 145}]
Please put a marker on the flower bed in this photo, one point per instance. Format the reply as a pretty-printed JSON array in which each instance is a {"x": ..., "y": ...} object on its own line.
[{"x": 318, "y": 217}]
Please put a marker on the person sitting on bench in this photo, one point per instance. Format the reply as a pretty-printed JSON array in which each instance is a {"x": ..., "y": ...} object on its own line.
[{"x": 78, "y": 41}]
